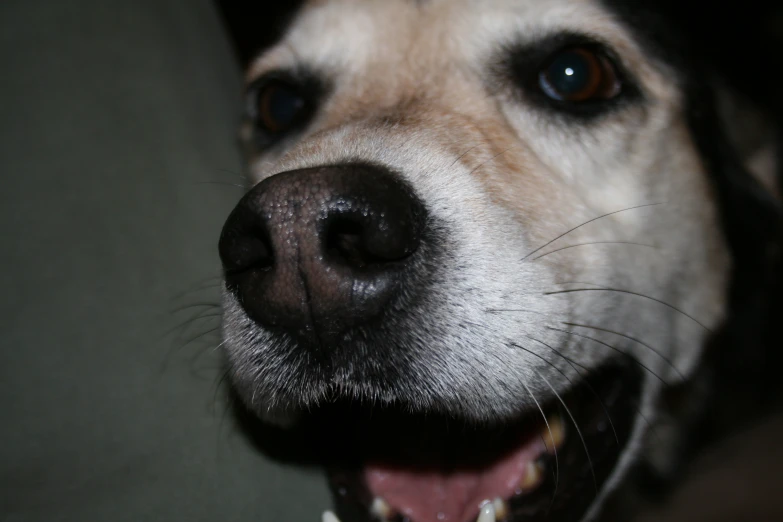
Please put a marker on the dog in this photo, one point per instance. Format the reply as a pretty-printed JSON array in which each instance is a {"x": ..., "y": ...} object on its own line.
[{"x": 502, "y": 260}]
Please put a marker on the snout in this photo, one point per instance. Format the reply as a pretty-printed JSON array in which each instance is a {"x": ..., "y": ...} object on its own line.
[
  {"x": 313, "y": 253},
  {"x": 356, "y": 328}
]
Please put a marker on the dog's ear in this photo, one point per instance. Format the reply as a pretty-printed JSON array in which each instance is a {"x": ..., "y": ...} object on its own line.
[
  {"x": 720, "y": 49},
  {"x": 720, "y": 71},
  {"x": 254, "y": 26},
  {"x": 748, "y": 353},
  {"x": 739, "y": 378},
  {"x": 737, "y": 42}
]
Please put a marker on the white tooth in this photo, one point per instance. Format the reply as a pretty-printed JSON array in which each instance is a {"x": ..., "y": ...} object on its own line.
[
  {"x": 328, "y": 516},
  {"x": 380, "y": 508},
  {"x": 532, "y": 478},
  {"x": 487, "y": 513},
  {"x": 501, "y": 509},
  {"x": 554, "y": 434}
]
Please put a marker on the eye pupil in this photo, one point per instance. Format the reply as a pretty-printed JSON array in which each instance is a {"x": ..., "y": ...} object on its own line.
[
  {"x": 284, "y": 105},
  {"x": 570, "y": 73}
]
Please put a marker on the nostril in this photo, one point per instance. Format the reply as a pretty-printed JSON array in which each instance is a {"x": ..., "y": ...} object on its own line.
[
  {"x": 246, "y": 250},
  {"x": 345, "y": 241},
  {"x": 361, "y": 239}
]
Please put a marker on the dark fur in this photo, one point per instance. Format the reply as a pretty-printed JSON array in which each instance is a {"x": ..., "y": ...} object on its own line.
[{"x": 739, "y": 379}]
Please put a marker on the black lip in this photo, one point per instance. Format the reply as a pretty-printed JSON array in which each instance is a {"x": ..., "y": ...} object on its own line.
[{"x": 572, "y": 480}]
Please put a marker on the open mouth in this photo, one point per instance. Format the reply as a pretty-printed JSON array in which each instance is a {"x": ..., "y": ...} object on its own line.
[
  {"x": 450, "y": 487},
  {"x": 388, "y": 465}
]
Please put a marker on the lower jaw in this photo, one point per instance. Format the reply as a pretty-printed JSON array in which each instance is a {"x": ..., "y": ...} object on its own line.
[{"x": 597, "y": 416}]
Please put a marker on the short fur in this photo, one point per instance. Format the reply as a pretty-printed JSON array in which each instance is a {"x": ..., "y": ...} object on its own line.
[{"x": 654, "y": 221}]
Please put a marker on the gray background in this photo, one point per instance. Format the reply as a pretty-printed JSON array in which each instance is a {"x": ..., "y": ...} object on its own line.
[{"x": 113, "y": 115}]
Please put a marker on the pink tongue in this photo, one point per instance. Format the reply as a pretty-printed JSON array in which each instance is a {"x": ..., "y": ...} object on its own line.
[{"x": 431, "y": 496}]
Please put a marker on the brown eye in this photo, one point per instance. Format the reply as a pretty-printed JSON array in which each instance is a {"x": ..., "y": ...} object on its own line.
[
  {"x": 279, "y": 107},
  {"x": 579, "y": 74}
]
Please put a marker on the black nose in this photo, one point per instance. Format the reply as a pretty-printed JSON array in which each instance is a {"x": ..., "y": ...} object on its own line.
[{"x": 314, "y": 252}]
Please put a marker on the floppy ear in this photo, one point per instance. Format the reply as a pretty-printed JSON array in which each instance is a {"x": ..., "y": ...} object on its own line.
[
  {"x": 723, "y": 47},
  {"x": 743, "y": 359}
]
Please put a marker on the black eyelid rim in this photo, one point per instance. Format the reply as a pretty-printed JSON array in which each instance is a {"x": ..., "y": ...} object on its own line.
[
  {"x": 311, "y": 85},
  {"x": 522, "y": 64}
]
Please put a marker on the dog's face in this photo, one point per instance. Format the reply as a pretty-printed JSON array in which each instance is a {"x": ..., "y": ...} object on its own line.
[{"x": 481, "y": 241}]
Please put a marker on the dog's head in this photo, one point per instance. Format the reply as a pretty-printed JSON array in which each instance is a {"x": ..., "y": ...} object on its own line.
[{"x": 483, "y": 240}]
